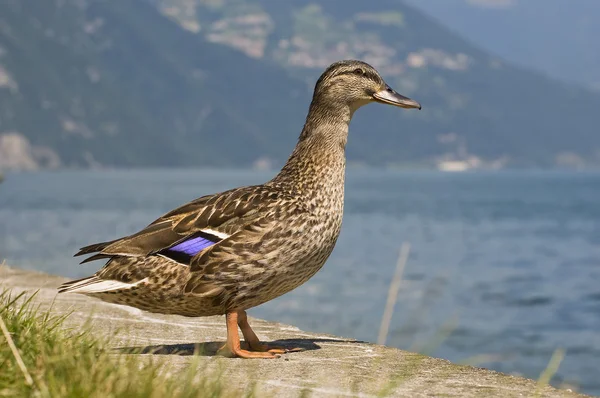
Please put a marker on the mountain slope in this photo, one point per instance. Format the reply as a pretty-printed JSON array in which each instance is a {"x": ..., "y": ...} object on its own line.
[
  {"x": 473, "y": 102},
  {"x": 115, "y": 83},
  {"x": 227, "y": 82}
]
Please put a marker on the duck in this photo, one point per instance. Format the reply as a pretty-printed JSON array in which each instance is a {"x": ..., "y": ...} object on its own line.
[{"x": 225, "y": 253}]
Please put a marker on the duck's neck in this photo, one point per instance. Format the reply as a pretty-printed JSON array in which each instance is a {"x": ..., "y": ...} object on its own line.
[{"x": 318, "y": 162}]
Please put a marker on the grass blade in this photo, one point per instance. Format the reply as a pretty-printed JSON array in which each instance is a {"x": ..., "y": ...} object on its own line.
[{"x": 393, "y": 293}]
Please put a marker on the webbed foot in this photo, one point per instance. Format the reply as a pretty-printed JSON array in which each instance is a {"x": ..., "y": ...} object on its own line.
[{"x": 256, "y": 349}]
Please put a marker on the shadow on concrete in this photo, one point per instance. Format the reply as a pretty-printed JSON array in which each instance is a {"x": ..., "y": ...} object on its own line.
[{"x": 210, "y": 348}]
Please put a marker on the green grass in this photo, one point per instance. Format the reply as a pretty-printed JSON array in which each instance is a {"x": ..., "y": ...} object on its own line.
[{"x": 58, "y": 362}]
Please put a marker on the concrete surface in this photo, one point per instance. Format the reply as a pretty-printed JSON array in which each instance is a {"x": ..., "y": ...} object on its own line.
[{"x": 330, "y": 366}]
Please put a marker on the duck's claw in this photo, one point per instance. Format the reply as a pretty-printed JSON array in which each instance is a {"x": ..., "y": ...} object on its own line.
[
  {"x": 241, "y": 353},
  {"x": 272, "y": 349}
]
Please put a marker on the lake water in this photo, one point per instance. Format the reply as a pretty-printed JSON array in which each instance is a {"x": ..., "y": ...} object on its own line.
[{"x": 504, "y": 268}]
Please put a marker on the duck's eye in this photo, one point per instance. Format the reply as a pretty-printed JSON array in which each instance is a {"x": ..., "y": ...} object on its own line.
[{"x": 359, "y": 71}]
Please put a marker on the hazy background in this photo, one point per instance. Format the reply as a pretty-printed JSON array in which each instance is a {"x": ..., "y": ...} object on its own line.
[
  {"x": 114, "y": 112},
  {"x": 90, "y": 83}
]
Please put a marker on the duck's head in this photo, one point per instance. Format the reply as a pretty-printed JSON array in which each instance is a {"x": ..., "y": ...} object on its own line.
[{"x": 356, "y": 83}]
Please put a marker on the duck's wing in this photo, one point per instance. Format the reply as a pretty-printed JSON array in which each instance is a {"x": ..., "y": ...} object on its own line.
[{"x": 185, "y": 232}]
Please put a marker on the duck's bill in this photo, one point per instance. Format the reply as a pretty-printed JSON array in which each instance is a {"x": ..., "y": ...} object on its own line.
[{"x": 389, "y": 96}]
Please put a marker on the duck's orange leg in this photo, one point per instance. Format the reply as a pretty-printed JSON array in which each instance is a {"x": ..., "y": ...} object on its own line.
[
  {"x": 251, "y": 338},
  {"x": 233, "y": 347}
]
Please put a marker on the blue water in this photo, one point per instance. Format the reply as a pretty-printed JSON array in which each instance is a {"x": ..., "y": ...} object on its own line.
[{"x": 504, "y": 268}]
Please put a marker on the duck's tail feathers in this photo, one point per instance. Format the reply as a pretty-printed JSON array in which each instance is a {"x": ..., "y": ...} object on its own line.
[
  {"x": 98, "y": 256},
  {"x": 96, "y": 247},
  {"x": 93, "y": 284}
]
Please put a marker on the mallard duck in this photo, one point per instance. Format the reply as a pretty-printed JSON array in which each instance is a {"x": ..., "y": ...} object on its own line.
[{"x": 222, "y": 254}]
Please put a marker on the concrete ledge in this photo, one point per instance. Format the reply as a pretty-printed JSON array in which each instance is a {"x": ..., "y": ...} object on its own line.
[{"x": 330, "y": 366}]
